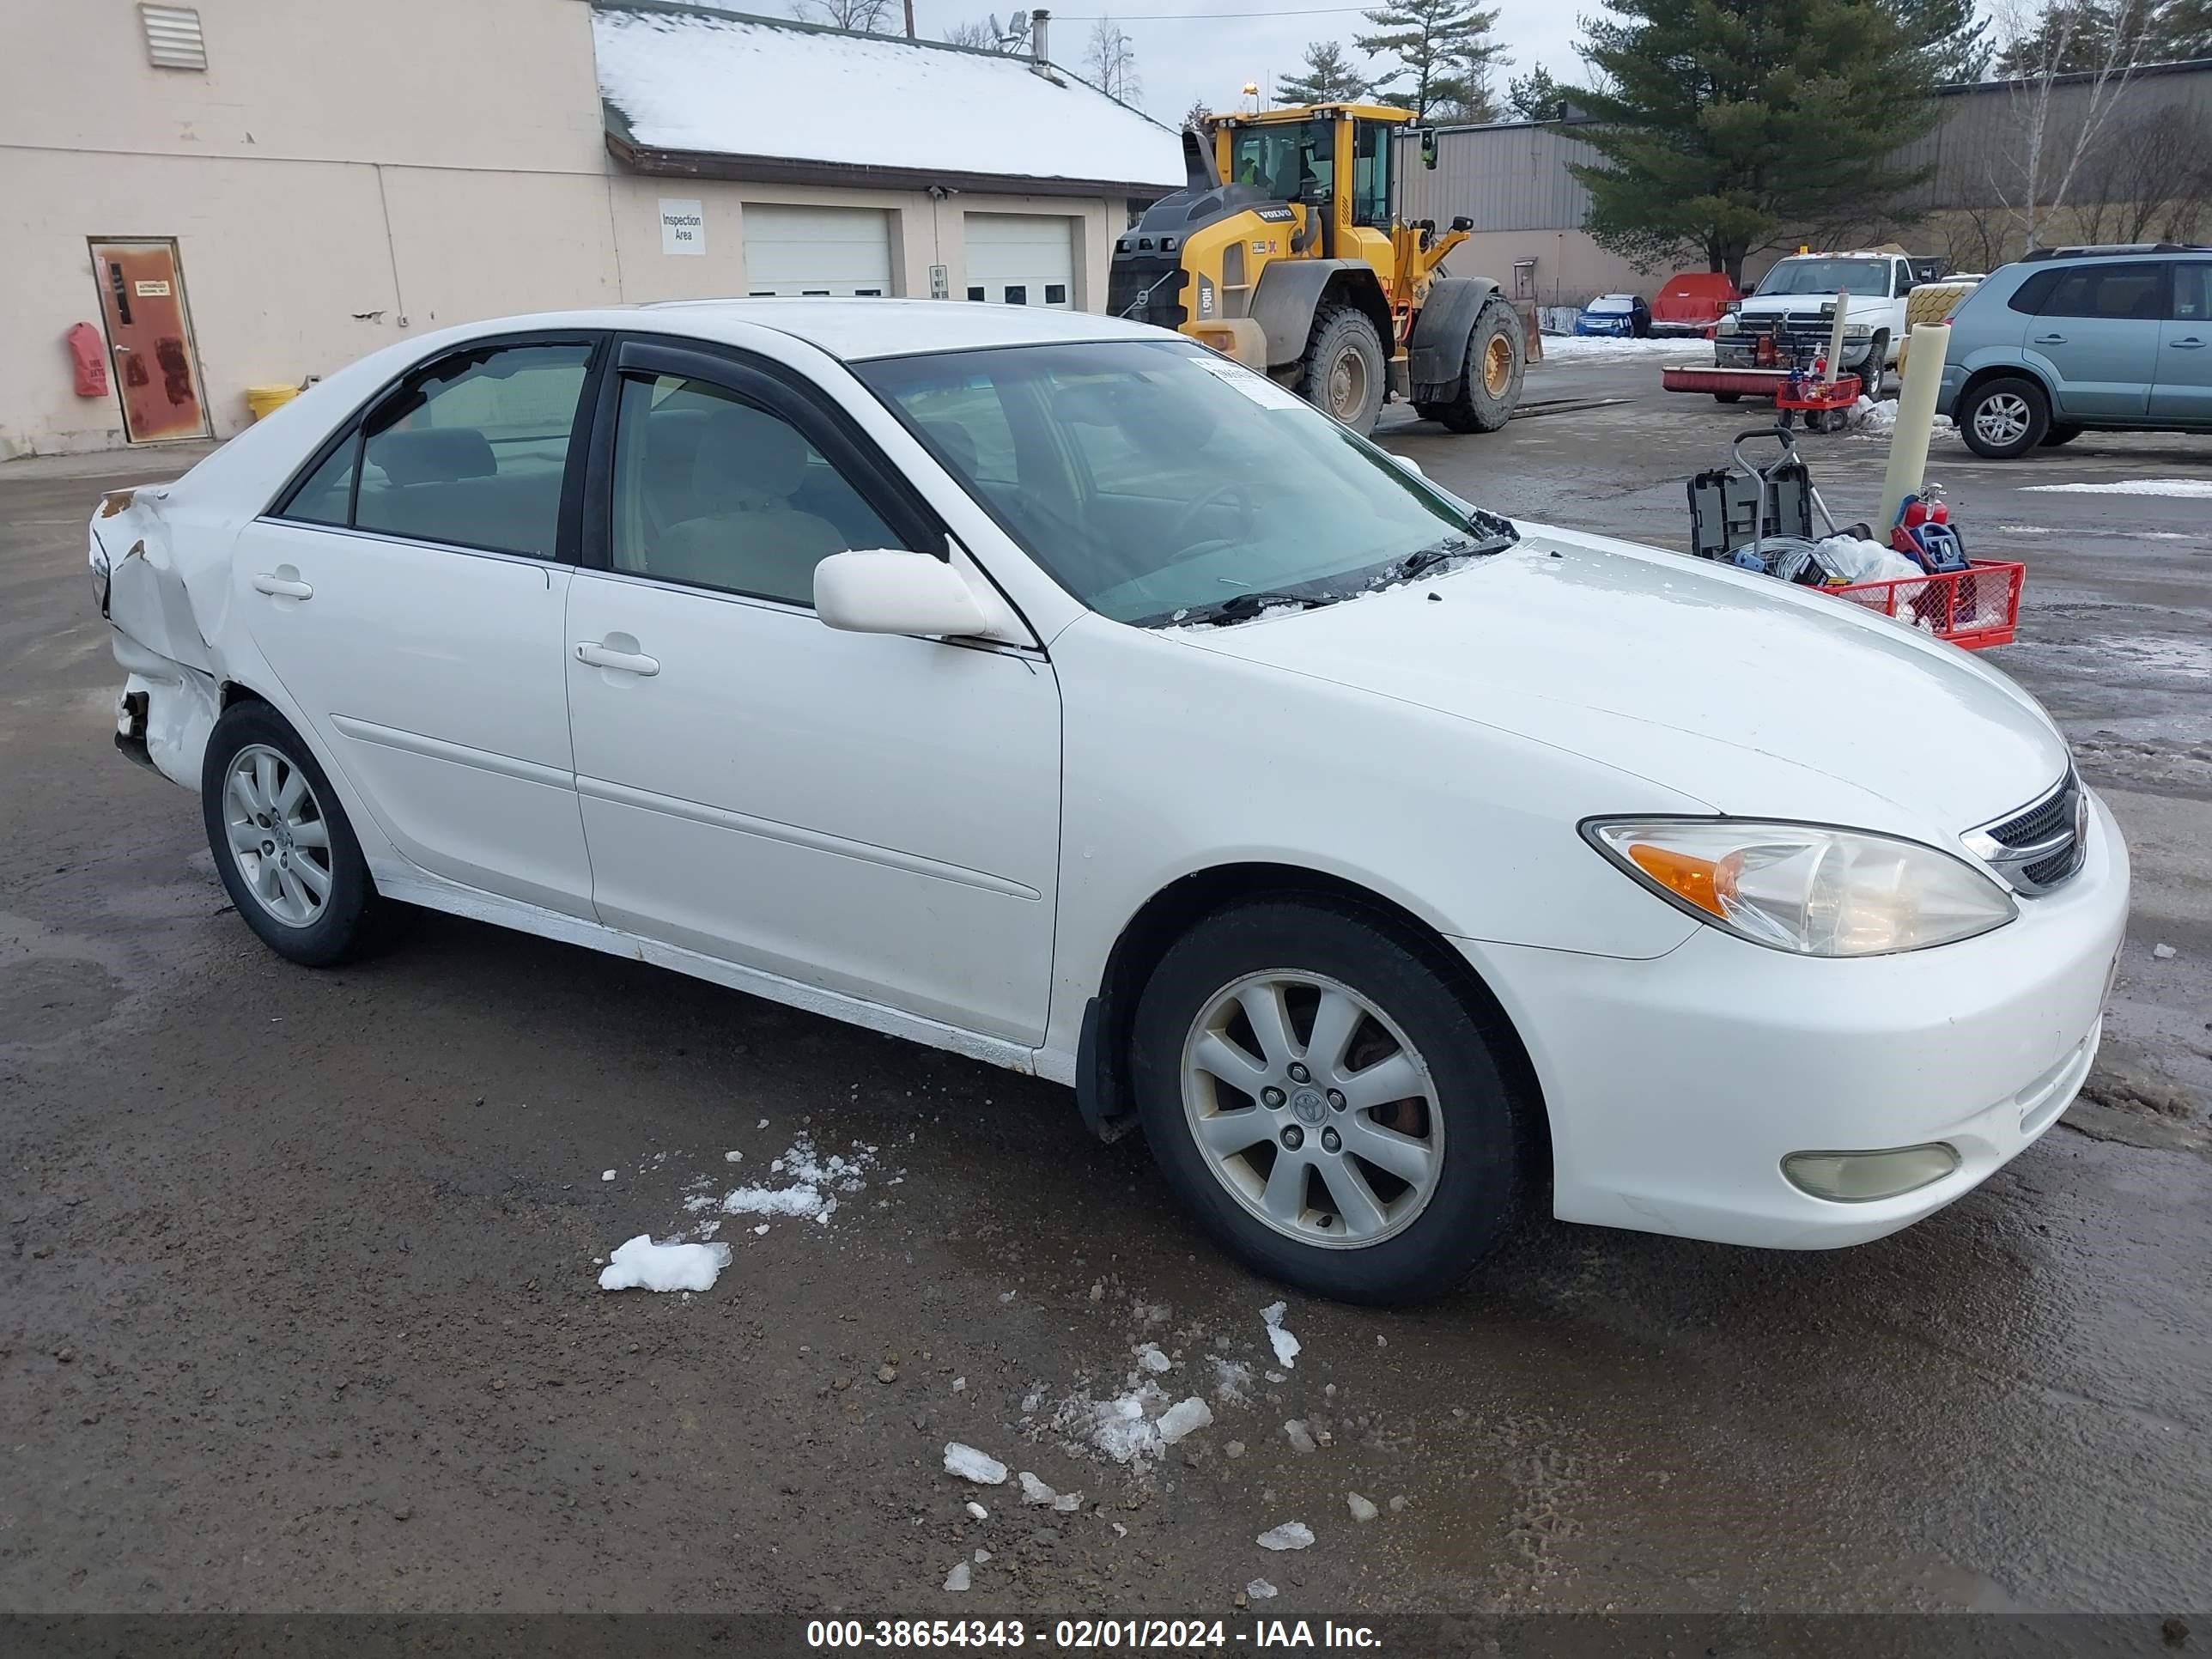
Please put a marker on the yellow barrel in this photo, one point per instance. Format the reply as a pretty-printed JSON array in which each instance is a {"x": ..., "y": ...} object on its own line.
[{"x": 263, "y": 399}]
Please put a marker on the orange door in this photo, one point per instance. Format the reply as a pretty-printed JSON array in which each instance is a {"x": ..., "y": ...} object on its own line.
[{"x": 149, "y": 339}]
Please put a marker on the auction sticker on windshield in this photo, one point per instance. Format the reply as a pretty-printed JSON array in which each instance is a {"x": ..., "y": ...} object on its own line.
[{"x": 1257, "y": 387}]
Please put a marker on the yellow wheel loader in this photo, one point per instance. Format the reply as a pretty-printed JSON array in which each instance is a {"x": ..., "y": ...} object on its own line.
[{"x": 1284, "y": 251}]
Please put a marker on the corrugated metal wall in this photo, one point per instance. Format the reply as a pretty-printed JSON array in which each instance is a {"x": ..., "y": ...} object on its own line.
[{"x": 1516, "y": 177}]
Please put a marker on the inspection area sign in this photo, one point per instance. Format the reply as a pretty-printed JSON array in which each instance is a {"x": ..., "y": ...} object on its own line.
[{"x": 683, "y": 227}]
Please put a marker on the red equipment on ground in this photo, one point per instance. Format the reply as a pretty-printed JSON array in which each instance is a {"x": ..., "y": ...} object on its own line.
[{"x": 1692, "y": 301}]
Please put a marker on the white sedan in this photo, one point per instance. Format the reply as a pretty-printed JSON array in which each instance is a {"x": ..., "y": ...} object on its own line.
[{"x": 1047, "y": 689}]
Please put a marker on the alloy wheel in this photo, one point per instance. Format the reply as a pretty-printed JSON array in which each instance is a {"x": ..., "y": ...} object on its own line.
[
  {"x": 278, "y": 834},
  {"x": 2002, "y": 419},
  {"x": 1312, "y": 1108}
]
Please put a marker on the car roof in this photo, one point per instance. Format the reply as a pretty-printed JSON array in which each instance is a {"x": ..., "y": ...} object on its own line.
[{"x": 859, "y": 329}]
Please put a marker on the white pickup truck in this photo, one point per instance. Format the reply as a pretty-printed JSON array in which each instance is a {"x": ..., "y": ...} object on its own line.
[{"x": 1795, "y": 306}]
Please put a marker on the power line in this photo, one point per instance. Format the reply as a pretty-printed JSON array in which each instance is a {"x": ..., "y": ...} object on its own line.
[{"x": 1206, "y": 16}]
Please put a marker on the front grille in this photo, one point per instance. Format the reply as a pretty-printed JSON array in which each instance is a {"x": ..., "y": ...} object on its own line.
[
  {"x": 2040, "y": 845},
  {"x": 1147, "y": 291}
]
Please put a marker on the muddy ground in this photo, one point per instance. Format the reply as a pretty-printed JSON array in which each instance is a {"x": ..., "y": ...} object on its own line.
[{"x": 298, "y": 1303}]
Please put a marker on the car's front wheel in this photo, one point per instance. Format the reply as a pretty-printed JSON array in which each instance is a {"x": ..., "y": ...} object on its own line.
[
  {"x": 2003, "y": 418},
  {"x": 282, "y": 843},
  {"x": 1325, "y": 1101}
]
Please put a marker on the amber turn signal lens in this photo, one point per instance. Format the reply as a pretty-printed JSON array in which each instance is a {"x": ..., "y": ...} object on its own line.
[{"x": 1686, "y": 877}]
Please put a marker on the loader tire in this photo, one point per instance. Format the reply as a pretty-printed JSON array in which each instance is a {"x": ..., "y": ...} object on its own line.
[
  {"x": 1344, "y": 371},
  {"x": 1496, "y": 358}
]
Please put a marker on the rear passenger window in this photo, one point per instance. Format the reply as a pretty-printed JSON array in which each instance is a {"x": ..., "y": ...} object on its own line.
[
  {"x": 2133, "y": 293},
  {"x": 473, "y": 450},
  {"x": 327, "y": 495},
  {"x": 2030, "y": 295},
  {"x": 2193, "y": 293}
]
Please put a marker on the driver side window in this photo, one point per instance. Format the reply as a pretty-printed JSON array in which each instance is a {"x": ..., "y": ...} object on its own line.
[{"x": 713, "y": 491}]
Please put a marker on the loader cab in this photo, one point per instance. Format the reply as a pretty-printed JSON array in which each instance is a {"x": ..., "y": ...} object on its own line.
[{"x": 1332, "y": 158}]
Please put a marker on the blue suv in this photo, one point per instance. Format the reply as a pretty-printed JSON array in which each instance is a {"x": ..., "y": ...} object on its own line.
[{"x": 2075, "y": 339}]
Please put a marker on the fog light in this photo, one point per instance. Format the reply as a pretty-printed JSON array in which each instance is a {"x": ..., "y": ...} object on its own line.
[{"x": 1859, "y": 1177}]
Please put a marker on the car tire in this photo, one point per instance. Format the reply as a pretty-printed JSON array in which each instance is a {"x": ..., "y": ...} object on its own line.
[
  {"x": 1877, "y": 368},
  {"x": 2004, "y": 418},
  {"x": 1344, "y": 372},
  {"x": 2061, "y": 434},
  {"x": 1728, "y": 397},
  {"x": 1497, "y": 363},
  {"x": 1456, "y": 1141},
  {"x": 278, "y": 833}
]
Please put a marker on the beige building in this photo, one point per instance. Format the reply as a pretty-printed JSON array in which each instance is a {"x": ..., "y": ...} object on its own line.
[{"x": 248, "y": 193}]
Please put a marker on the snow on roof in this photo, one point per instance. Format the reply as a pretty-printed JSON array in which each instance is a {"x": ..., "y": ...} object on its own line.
[{"x": 734, "y": 85}]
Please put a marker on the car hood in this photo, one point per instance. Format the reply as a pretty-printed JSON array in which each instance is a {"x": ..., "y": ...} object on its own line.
[{"x": 1755, "y": 697}]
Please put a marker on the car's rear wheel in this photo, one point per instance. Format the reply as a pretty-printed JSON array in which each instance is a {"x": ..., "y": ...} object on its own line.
[
  {"x": 282, "y": 843},
  {"x": 1326, "y": 1102},
  {"x": 2003, "y": 418}
]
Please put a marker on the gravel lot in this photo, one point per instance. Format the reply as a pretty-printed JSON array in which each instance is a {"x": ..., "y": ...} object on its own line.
[{"x": 298, "y": 1306}]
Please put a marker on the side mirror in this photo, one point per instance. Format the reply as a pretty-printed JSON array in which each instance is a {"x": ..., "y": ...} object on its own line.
[
  {"x": 1408, "y": 463},
  {"x": 889, "y": 592}
]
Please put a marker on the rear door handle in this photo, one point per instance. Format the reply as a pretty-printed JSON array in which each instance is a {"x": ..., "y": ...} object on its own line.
[
  {"x": 2050, "y": 339},
  {"x": 283, "y": 587},
  {"x": 2192, "y": 344},
  {"x": 628, "y": 662}
]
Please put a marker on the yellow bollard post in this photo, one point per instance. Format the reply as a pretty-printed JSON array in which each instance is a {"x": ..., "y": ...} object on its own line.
[{"x": 1915, "y": 412}]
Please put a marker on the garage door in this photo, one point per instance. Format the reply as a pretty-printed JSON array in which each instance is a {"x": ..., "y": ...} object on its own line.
[
  {"x": 1021, "y": 259},
  {"x": 817, "y": 250}
]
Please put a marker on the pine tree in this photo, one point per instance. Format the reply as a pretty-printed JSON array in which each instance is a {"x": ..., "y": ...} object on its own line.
[
  {"x": 1535, "y": 96},
  {"x": 1951, "y": 35},
  {"x": 2182, "y": 30},
  {"x": 2074, "y": 37},
  {"x": 1327, "y": 78},
  {"x": 1444, "y": 53},
  {"x": 1731, "y": 126}
]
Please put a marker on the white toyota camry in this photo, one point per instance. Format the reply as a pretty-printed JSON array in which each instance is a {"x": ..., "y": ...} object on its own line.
[{"x": 1047, "y": 689}]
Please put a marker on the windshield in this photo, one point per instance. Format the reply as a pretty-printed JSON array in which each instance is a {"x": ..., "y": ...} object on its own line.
[
  {"x": 1828, "y": 276},
  {"x": 1157, "y": 481},
  {"x": 1612, "y": 305}
]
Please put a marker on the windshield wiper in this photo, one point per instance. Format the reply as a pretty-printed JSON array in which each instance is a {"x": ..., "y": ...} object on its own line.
[
  {"x": 1242, "y": 607},
  {"x": 1437, "y": 553}
]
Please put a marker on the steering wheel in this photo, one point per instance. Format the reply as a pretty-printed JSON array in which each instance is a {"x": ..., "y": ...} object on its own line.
[{"x": 1236, "y": 488}]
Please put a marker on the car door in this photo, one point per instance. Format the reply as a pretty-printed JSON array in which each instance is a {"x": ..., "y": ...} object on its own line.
[
  {"x": 2098, "y": 334},
  {"x": 874, "y": 814},
  {"x": 408, "y": 593},
  {"x": 2183, "y": 390}
]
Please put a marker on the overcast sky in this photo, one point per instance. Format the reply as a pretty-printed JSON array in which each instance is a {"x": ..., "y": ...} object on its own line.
[{"x": 1188, "y": 49}]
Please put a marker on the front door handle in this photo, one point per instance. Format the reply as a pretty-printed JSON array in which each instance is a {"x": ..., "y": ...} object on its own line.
[
  {"x": 283, "y": 586},
  {"x": 628, "y": 662},
  {"x": 2050, "y": 339},
  {"x": 2192, "y": 344}
]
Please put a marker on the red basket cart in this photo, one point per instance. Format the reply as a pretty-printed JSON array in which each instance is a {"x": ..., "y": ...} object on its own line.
[{"x": 1975, "y": 608}]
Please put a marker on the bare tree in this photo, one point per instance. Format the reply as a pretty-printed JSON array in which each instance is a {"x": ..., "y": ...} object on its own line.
[
  {"x": 2038, "y": 174},
  {"x": 2149, "y": 179},
  {"x": 864, "y": 16},
  {"x": 1109, "y": 57},
  {"x": 978, "y": 34}
]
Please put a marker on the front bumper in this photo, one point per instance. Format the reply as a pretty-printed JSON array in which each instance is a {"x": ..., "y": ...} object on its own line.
[
  {"x": 1677, "y": 1086},
  {"x": 1741, "y": 351}
]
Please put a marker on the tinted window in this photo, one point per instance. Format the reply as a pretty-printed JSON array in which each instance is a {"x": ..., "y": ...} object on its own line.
[
  {"x": 2031, "y": 295},
  {"x": 327, "y": 495},
  {"x": 2133, "y": 292},
  {"x": 1370, "y": 173},
  {"x": 472, "y": 451},
  {"x": 713, "y": 492},
  {"x": 1291, "y": 161},
  {"x": 2192, "y": 292}
]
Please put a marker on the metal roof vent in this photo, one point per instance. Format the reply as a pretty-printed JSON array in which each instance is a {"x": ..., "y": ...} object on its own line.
[{"x": 173, "y": 39}]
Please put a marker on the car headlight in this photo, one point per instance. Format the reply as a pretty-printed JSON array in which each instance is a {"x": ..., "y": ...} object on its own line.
[
  {"x": 1727, "y": 325},
  {"x": 1857, "y": 331},
  {"x": 1805, "y": 888}
]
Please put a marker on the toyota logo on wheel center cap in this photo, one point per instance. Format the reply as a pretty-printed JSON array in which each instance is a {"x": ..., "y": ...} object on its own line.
[{"x": 1308, "y": 1106}]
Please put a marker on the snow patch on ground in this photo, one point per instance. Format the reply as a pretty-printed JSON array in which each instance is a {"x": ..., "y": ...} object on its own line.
[
  {"x": 1879, "y": 420},
  {"x": 970, "y": 1464},
  {"x": 1290, "y": 1535},
  {"x": 1617, "y": 348},
  {"x": 2186, "y": 487},
  {"x": 811, "y": 1185},
  {"x": 642, "y": 1265},
  {"x": 1286, "y": 1345},
  {"x": 1232, "y": 1380}
]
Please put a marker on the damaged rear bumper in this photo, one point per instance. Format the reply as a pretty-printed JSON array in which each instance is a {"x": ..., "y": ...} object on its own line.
[{"x": 165, "y": 713}]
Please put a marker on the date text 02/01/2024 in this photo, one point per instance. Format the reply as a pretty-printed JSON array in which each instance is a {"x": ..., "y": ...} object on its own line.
[{"x": 1092, "y": 1635}]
